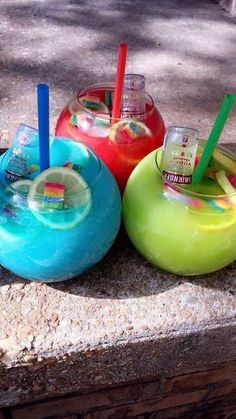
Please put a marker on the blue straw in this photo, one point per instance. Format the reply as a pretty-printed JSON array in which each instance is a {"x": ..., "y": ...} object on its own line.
[{"x": 43, "y": 125}]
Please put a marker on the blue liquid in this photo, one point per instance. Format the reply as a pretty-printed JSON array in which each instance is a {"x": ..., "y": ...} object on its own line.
[{"x": 38, "y": 252}]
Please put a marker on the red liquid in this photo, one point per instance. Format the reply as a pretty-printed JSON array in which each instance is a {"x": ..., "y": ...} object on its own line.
[{"x": 120, "y": 158}]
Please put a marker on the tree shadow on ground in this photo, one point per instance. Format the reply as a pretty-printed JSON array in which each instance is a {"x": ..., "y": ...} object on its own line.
[{"x": 105, "y": 24}]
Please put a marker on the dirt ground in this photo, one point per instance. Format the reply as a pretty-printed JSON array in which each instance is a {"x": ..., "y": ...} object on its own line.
[{"x": 186, "y": 50}]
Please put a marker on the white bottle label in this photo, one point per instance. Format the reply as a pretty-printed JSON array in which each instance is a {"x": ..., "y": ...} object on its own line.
[{"x": 178, "y": 157}]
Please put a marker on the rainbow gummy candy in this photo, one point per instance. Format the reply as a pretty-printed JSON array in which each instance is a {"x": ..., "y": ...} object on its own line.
[
  {"x": 221, "y": 204},
  {"x": 92, "y": 102},
  {"x": 53, "y": 195},
  {"x": 73, "y": 120},
  {"x": 134, "y": 130},
  {"x": 195, "y": 202},
  {"x": 81, "y": 121},
  {"x": 73, "y": 166},
  {"x": 131, "y": 131}
]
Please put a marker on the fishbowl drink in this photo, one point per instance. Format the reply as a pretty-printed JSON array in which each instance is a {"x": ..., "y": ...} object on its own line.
[
  {"x": 185, "y": 229},
  {"x": 178, "y": 154},
  {"x": 60, "y": 222},
  {"x": 120, "y": 143}
]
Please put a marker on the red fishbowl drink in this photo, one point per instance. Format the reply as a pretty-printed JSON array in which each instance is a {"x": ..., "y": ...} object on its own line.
[{"x": 120, "y": 142}]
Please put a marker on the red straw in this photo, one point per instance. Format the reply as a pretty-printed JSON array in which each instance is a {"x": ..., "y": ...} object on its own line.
[{"x": 120, "y": 73}]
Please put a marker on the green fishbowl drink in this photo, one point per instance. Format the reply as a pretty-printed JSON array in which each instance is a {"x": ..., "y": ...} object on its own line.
[{"x": 186, "y": 229}]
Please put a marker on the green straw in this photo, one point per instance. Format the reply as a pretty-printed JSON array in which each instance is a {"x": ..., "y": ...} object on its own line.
[{"x": 225, "y": 109}]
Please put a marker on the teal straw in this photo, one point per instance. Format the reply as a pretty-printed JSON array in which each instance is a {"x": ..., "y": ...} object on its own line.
[{"x": 225, "y": 109}]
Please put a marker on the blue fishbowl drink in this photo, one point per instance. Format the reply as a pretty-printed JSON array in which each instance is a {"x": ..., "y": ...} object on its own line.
[{"x": 56, "y": 224}]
